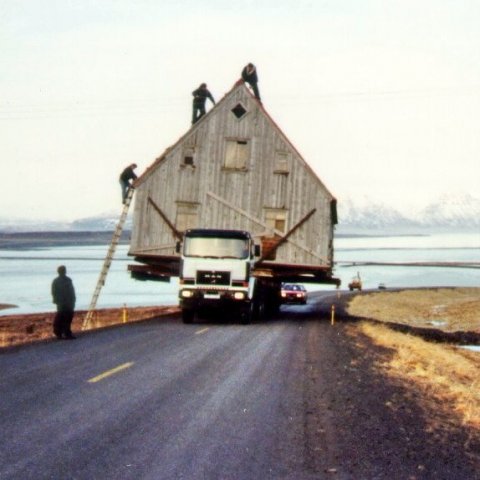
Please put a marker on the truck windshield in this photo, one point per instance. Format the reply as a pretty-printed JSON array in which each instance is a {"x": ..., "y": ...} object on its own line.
[{"x": 213, "y": 247}]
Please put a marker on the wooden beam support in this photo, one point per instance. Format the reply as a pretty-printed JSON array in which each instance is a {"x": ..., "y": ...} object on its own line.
[
  {"x": 264, "y": 225},
  {"x": 175, "y": 232},
  {"x": 283, "y": 239}
]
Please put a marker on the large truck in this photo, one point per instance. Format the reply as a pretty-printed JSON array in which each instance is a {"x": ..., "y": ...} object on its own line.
[{"x": 217, "y": 273}]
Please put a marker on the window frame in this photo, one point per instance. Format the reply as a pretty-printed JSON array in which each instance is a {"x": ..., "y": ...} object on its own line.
[
  {"x": 282, "y": 162},
  {"x": 237, "y": 157},
  {"x": 276, "y": 214},
  {"x": 186, "y": 216}
]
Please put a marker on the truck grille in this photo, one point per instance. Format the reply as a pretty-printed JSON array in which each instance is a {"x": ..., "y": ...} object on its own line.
[{"x": 213, "y": 278}]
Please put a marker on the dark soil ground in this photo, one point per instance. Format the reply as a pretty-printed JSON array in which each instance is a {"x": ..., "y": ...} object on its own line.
[{"x": 20, "y": 329}]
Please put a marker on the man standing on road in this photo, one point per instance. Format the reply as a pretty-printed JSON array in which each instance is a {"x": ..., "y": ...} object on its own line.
[
  {"x": 125, "y": 177},
  {"x": 63, "y": 295},
  {"x": 200, "y": 96}
]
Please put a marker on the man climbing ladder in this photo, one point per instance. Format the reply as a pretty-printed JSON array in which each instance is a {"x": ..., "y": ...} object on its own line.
[
  {"x": 126, "y": 177},
  {"x": 108, "y": 259}
]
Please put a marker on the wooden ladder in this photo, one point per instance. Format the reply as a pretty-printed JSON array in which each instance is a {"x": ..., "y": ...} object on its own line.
[{"x": 108, "y": 260}]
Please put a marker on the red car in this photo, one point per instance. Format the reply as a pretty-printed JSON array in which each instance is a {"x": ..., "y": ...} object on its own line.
[{"x": 293, "y": 293}]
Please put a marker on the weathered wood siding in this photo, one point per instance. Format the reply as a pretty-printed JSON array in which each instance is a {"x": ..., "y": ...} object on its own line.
[{"x": 234, "y": 199}]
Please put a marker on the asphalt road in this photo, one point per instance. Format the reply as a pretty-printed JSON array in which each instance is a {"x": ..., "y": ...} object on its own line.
[{"x": 292, "y": 398}]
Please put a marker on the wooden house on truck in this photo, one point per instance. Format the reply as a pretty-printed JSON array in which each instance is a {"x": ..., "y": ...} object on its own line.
[{"x": 235, "y": 169}]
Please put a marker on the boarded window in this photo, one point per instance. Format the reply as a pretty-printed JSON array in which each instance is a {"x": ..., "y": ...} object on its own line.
[
  {"x": 187, "y": 216},
  {"x": 276, "y": 219},
  {"x": 282, "y": 164},
  {"x": 237, "y": 154},
  {"x": 188, "y": 156}
]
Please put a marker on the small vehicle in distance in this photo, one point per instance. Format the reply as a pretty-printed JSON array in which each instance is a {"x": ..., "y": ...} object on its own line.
[
  {"x": 293, "y": 293},
  {"x": 356, "y": 283},
  {"x": 382, "y": 286}
]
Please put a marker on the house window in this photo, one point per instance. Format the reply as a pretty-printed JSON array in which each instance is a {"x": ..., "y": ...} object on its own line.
[
  {"x": 239, "y": 110},
  {"x": 276, "y": 219},
  {"x": 187, "y": 216},
  {"x": 188, "y": 157},
  {"x": 281, "y": 162},
  {"x": 237, "y": 153}
]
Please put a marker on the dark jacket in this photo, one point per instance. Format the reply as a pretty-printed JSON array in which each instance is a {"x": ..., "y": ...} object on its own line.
[
  {"x": 128, "y": 174},
  {"x": 251, "y": 77},
  {"x": 63, "y": 293},
  {"x": 200, "y": 95}
]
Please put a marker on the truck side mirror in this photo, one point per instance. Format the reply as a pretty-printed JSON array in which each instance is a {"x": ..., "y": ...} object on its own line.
[
  {"x": 178, "y": 247},
  {"x": 257, "y": 251}
]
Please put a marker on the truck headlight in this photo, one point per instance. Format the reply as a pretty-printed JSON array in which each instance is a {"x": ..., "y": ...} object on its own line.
[
  {"x": 239, "y": 295},
  {"x": 186, "y": 294}
]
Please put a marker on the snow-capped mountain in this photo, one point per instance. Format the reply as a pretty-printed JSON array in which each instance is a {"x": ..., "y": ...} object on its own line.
[
  {"x": 26, "y": 225},
  {"x": 455, "y": 211},
  {"x": 105, "y": 222},
  {"x": 371, "y": 215},
  {"x": 460, "y": 212},
  {"x": 100, "y": 223}
]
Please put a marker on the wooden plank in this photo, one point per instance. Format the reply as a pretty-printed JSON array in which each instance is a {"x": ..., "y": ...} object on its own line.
[{"x": 165, "y": 219}]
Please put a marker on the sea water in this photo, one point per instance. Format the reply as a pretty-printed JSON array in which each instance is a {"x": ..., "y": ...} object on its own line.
[
  {"x": 351, "y": 254},
  {"x": 26, "y": 275}
]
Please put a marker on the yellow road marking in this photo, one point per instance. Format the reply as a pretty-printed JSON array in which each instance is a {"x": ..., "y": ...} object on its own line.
[
  {"x": 110, "y": 372},
  {"x": 203, "y": 330}
]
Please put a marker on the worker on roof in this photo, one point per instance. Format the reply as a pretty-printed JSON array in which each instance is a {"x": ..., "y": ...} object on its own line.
[
  {"x": 249, "y": 75},
  {"x": 200, "y": 96},
  {"x": 126, "y": 179}
]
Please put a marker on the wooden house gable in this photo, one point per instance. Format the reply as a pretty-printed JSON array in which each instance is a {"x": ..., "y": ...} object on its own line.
[{"x": 233, "y": 169}]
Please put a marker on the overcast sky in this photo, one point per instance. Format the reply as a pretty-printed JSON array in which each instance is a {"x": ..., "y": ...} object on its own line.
[{"x": 381, "y": 97}]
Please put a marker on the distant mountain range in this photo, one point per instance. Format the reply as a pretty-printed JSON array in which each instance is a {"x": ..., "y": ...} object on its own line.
[
  {"x": 460, "y": 212},
  {"x": 100, "y": 223},
  {"x": 447, "y": 213}
]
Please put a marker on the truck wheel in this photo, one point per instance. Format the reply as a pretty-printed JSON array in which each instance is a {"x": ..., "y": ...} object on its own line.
[
  {"x": 274, "y": 308},
  {"x": 260, "y": 310},
  {"x": 248, "y": 315},
  {"x": 188, "y": 315}
]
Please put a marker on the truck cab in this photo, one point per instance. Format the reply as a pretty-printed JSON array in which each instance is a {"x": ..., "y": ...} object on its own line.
[{"x": 215, "y": 272}]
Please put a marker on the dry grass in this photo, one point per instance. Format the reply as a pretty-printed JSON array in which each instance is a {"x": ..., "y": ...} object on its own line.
[
  {"x": 446, "y": 373},
  {"x": 448, "y": 309}
]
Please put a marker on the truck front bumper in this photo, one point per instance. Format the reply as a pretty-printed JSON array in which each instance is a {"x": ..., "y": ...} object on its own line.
[{"x": 196, "y": 299}]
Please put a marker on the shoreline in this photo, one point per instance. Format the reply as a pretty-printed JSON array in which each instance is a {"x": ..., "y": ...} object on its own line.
[
  {"x": 4, "y": 306},
  {"x": 38, "y": 240}
]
